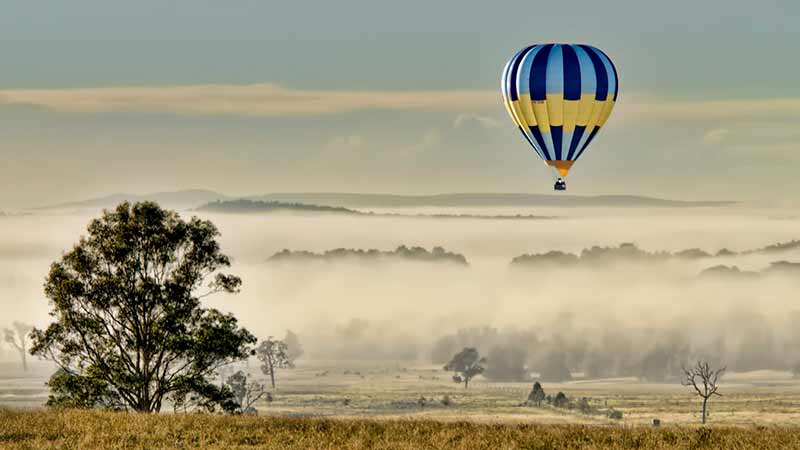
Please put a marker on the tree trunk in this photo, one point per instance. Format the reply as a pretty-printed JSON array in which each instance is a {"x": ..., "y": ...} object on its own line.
[
  {"x": 705, "y": 401},
  {"x": 271, "y": 372},
  {"x": 24, "y": 358},
  {"x": 466, "y": 382}
]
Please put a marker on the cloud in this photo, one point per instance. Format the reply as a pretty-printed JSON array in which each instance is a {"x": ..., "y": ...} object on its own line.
[
  {"x": 349, "y": 141},
  {"x": 649, "y": 107},
  {"x": 257, "y": 100},
  {"x": 717, "y": 135},
  {"x": 272, "y": 100},
  {"x": 468, "y": 119}
]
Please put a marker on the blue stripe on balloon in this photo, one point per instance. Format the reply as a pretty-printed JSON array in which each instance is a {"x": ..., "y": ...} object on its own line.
[
  {"x": 588, "y": 76},
  {"x": 613, "y": 71},
  {"x": 512, "y": 85},
  {"x": 538, "y": 75},
  {"x": 558, "y": 134},
  {"x": 533, "y": 144},
  {"x": 555, "y": 71},
  {"x": 576, "y": 138},
  {"x": 600, "y": 70},
  {"x": 588, "y": 141},
  {"x": 504, "y": 79},
  {"x": 523, "y": 74},
  {"x": 572, "y": 74},
  {"x": 540, "y": 139}
]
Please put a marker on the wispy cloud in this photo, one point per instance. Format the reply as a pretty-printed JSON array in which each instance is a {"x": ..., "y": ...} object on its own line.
[
  {"x": 650, "y": 107},
  {"x": 716, "y": 135},
  {"x": 468, "y": 119},
  {"x": 259, "y": 100},
  {"x": 271, "y": 100}
]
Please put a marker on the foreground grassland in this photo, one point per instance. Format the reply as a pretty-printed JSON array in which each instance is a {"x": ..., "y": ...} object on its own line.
[
  {"x": 66, "y": 430},
  {"x": 392, "y": 390}
]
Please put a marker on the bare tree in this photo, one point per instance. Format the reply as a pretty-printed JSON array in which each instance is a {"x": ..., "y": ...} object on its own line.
[
  {"x": 17, "y": 336},
  {"x": 705, "y": 382}
]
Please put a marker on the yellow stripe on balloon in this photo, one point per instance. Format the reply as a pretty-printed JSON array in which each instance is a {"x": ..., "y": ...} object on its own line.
[
  {"x": 597, "y": 110},
  {"x": 555, "y": 109},
  {"x": 585, "y": 105},
  {"x": 570, "y": 115},
  {"x": 507, "y": 104},
  {"x": 542, "y": 118},
  {"x": 518, "y": 115},
  {"x": 527, "y": 109},
  {"x": 607, "y": 107}
]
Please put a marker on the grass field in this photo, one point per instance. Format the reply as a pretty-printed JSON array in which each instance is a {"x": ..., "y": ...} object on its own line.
[
  {"x": 65, "y": 430},
  {"x": 392, "y": 390}
]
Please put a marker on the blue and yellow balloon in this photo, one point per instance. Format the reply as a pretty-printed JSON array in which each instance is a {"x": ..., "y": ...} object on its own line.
[{"x": 559, "y": 96}]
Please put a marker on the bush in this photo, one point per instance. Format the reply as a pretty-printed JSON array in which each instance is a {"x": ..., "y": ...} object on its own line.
[{"x": 560, "y": 400}]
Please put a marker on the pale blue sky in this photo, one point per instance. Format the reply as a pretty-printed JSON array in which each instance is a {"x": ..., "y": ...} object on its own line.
[{"x": 685, "y": 54}]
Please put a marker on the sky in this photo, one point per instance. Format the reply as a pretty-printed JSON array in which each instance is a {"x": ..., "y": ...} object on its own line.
[{"x": 251, "y": 97}]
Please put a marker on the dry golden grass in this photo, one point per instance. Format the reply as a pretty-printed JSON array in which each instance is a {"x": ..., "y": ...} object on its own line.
[{"x": 84, "y": 430}]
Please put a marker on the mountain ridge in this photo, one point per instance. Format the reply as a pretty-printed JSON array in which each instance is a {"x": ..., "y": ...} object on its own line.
[{"x": 193, "y": 198}]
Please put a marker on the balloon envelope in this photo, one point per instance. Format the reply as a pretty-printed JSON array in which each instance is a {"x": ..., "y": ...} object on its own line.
[{"x": 560, "y": 95}]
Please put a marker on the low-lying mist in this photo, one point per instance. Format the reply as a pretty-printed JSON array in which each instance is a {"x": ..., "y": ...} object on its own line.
[{"x": 620, "y": 319}]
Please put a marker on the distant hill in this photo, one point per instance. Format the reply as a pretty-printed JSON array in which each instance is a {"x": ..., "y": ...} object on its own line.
[
  {"x": 180, "y": 200},
  {"x": 256, "y": 206},
  {"x": 481, "y": 200},
  {"x": 194, "y": 198},
  {"x": 417, "y": 254},
  {"x": 243, "y": 206}
]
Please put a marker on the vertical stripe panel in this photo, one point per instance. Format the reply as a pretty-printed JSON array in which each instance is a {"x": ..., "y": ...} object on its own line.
[
  {"x": 572, "y": 73},
  {"x": 600, "y": 71},
  {"x": 576, "y": 138},
  {"x": 538, "y": 74},
  {"x": 612, "y": 72}
]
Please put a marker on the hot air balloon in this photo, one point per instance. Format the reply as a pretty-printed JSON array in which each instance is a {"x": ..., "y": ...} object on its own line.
[{"x": 559, "y": 96}]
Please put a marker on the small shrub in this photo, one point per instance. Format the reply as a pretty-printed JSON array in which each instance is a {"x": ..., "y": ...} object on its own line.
[{"x": 561, "y": 400}]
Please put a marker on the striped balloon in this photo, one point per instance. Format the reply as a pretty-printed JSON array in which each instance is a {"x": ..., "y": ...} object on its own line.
[{"x": 560, "y": 95}]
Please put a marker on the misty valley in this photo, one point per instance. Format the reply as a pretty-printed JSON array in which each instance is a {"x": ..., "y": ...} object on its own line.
[{"x": 604, "y": 305}]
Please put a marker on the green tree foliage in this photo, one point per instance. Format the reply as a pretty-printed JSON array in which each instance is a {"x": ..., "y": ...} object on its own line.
[
  {"x": 467, "y": 363},
  {"x": 128, "y": 323},
  {"x": 560, "y": 400},
  {"x": 17, "y": 336},
  {"x": 273, "y": 354},
  {"x": 71, "y": 391},
  {"x": 537, "y": 394}
]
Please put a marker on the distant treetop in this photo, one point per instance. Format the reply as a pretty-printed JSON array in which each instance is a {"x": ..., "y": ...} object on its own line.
[{"x": 437, "y": 254}]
